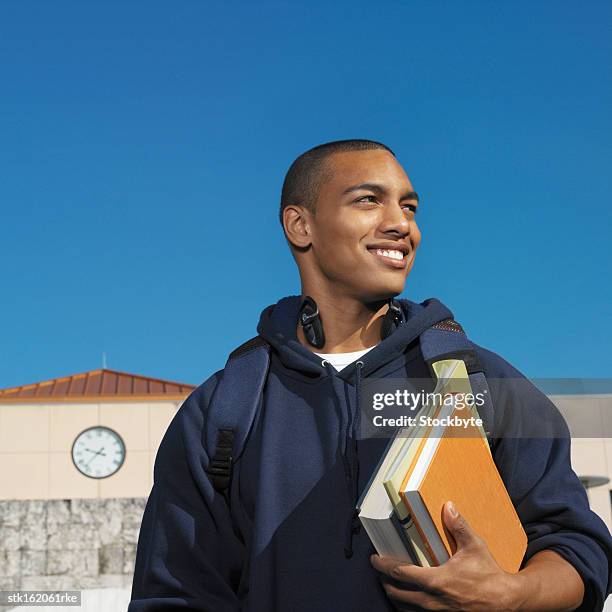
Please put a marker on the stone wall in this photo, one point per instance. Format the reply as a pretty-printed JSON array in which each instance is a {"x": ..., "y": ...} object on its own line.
[{"x": 68, "y": 544}]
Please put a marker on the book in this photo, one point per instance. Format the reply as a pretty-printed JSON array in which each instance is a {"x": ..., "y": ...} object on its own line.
[
  {"x": 377, "y": 515},
  {"x": 460, "y": 468},
  {"x": 428, "y": 465}
]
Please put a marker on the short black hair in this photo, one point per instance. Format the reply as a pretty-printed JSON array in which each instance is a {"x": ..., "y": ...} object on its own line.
[{"x": 304, "y": 177}]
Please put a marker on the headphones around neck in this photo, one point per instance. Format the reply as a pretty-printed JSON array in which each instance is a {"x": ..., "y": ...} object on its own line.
[{"x": 312, "y": 326}]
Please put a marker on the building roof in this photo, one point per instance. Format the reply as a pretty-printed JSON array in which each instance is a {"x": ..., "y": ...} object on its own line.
[{"x": 97, "y": 385}]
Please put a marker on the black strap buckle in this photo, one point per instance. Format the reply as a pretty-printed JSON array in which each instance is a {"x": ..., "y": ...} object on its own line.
[{"x": 220, "y": 467}]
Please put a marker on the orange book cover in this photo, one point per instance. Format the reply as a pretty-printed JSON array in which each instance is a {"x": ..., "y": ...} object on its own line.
[{"x": 462, "y": 470}]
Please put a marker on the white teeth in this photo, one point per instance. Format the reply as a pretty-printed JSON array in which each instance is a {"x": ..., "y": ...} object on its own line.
[{"x": 393, "y": 254}]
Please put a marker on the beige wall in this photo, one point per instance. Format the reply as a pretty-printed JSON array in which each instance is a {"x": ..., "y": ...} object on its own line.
[{"x": 35, "y": 444}]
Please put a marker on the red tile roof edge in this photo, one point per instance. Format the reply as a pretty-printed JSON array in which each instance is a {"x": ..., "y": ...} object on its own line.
[{"x": 31, "y": 391}]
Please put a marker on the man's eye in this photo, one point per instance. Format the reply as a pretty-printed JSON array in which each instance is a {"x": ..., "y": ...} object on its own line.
[
  {"x": 411, "y": 207},
  {"x": 368, "y": 198}
]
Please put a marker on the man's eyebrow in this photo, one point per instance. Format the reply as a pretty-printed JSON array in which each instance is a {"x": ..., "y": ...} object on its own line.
[{"x": 409, "y": 195}]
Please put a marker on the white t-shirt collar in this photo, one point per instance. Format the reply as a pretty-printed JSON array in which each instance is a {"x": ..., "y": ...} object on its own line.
[{"x": 341, "y": 360}]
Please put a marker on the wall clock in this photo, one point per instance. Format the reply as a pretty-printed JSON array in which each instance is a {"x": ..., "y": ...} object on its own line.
[{"x": 98, "y": 452}]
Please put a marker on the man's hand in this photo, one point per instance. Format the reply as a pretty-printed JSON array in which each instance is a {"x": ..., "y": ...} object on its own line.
[{"x": 470, "y": 580}]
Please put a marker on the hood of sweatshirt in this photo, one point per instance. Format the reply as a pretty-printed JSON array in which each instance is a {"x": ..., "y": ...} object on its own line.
[{"x": 278, "y": 325}]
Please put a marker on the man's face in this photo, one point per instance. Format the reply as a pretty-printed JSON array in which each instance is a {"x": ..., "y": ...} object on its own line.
[{"x": 364, "y": 234}]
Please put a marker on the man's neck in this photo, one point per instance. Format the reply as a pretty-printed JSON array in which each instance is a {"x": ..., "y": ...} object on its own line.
[{"x": 349, "y": 324}]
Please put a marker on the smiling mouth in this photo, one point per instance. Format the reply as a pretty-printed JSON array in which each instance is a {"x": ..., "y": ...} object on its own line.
[{"x": 390, "y": 257}]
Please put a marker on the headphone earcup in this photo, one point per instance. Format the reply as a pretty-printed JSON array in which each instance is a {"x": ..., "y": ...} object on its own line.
[
  {"x": 311, "y": 323},
  {"x": 392, "y": 320},
  {"x": 314, "y": 333}
]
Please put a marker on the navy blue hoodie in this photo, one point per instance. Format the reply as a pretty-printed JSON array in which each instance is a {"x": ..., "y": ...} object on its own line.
[{"x": 291, "y": 542}]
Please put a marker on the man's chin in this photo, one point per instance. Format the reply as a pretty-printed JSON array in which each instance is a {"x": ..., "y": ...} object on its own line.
[{"x": 381, "y": 293}]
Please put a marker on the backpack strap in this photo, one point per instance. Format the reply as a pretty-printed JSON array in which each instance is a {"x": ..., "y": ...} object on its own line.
[
  {"x": 233, "y": 408},
  {"x": 447, "y": 340}
]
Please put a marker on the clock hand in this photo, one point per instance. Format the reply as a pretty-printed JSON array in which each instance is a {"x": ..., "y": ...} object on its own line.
[
  {"x": 92, "y": 458},
  {"x": 95, "y": 454}
]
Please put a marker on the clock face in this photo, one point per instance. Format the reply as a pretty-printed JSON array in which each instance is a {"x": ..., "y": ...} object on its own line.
[{"x": 98, "y": 452}]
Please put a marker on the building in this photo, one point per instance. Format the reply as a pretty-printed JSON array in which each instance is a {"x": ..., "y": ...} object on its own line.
[{"x": 76, "y": 465}]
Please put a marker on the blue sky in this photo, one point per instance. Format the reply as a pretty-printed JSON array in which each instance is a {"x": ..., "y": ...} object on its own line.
[{"x": 144, "y": 145}]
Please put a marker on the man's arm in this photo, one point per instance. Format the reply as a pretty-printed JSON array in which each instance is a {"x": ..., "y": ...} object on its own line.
[
  {"x": 188, "y": 556},
  {"x": 549, "y": 498},
  {"x": 542, "y": 570}
]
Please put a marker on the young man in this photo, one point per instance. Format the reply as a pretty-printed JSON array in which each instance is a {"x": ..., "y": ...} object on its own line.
[{"x": 288, "y": 539}]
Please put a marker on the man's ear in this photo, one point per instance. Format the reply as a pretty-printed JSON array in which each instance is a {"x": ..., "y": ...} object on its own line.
[{"x": 297, "y": 226}]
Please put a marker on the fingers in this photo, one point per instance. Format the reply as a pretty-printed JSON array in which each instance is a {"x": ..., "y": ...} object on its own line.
[
  {"x": 406, "y": 600},
  {"x": 422, "y": 577},
  {"x": 460, "y": 529}
]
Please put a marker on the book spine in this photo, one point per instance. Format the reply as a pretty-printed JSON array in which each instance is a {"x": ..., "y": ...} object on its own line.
[
  {"x": 423, "y": 556},
  {"x": 404, "y": 537},
  {"x": 416, "y": 524}
]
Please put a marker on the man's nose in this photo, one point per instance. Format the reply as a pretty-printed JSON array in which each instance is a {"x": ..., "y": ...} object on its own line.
[{"x": 395, "y": 220}]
